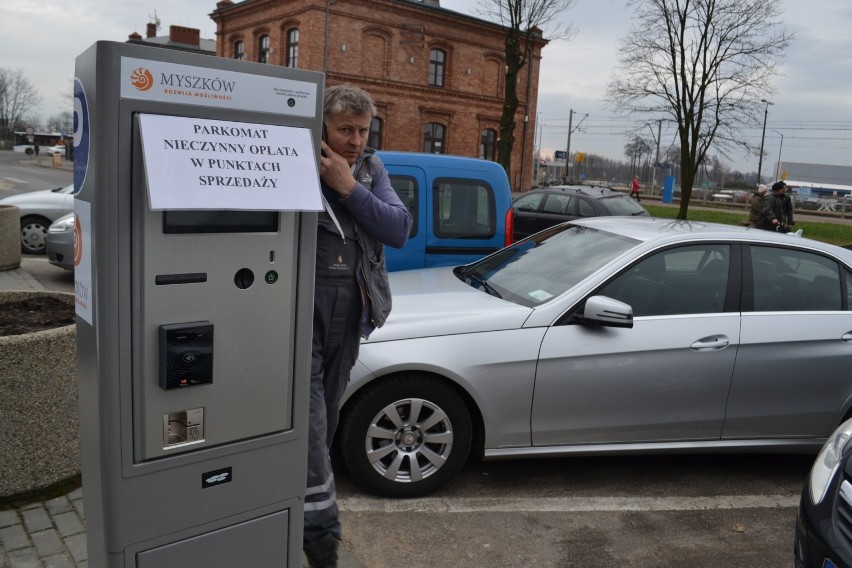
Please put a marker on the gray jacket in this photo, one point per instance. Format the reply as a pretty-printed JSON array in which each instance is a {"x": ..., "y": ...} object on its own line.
[
  {"x": 380, "y": 219},
  {"x": 772, "y": 207}
]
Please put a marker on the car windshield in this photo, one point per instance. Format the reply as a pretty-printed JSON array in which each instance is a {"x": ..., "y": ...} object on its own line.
[
  {"x": 623, "y": 205},
  {"x": 539, "y": 268}
]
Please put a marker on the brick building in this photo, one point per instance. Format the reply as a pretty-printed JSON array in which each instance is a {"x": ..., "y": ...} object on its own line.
[{"x": 436, "y": 76}]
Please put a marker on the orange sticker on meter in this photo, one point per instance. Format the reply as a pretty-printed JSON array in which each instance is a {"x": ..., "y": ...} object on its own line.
[{"x": 78, "y": 241}]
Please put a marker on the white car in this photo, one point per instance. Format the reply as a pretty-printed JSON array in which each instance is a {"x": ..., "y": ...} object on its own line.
[
  {"x": 38, "y": 210},
  {"x": 49, "y": 150}
]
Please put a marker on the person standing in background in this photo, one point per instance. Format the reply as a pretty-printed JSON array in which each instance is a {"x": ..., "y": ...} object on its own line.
[
  {"x": 634, "y": 188},
  {"x": 772, "y": 216},
  {"x": 754, "y": 203}
]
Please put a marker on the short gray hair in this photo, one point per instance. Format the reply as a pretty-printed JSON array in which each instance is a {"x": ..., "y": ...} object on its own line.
[{"x": 345, "y": 98}]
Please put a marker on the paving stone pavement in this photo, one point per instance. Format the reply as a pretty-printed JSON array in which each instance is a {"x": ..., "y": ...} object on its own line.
[
  {"x": 18, "y": 279},
  {"x": 46, "y": 534}
]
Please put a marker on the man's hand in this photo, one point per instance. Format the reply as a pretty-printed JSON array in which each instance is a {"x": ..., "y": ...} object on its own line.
[{"x": 335, "y": 171}]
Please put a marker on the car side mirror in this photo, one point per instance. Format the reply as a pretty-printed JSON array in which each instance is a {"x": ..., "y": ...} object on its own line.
[{"x": 605, "y": 311}]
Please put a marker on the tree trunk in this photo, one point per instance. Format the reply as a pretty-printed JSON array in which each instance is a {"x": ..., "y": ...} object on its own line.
[
  {"x": 510, "y": 103},
  {"x": 687, "y": 178}
]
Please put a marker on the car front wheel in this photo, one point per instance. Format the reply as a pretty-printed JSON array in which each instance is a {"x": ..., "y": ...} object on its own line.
[
  {"x": 405, "y": 437},
  {"x": 33, "y": 233}
]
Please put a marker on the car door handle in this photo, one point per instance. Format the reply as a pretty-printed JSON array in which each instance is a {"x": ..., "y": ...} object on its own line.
[
  {"x": 710, "y": 343},
  {"x": 847, "y": 336}
]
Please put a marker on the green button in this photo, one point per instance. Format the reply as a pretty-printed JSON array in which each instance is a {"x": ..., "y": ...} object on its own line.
[{"x": 271, "y": 277}]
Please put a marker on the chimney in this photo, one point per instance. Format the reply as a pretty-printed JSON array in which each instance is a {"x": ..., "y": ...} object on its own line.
[
  {"x": 189, "y": 36},
  {"x": 224, "y": 4},
  {"x": 134, "y": 36},
  {"x": 151, "y": 30}
]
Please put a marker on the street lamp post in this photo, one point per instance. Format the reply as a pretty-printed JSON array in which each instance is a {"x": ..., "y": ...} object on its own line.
[
  {"x": 540, "y": 127},
  {"x": 778, "y": 165},
  {"x": 762, "y": 137},
  {"x": 656, "y": 156},
  {"x": 328, "y": 4}
]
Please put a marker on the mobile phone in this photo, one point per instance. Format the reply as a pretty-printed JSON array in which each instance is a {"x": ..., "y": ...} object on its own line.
[{"x": 324, "y": 139}]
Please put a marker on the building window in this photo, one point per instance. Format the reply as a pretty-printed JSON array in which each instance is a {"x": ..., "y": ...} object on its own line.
[
  {"x": 239, "y": 50},
  {"x": 292, "y": 48},
  {"x": 437, "y": 60},
  {"x": 433, "y": 138},
  {"x": 263, "y": 49},
  {"x": 488, "y": 144},
  {"x": 375, "y": 139}
]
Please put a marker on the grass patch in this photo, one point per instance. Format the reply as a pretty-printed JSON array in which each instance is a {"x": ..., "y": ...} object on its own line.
[{"x": 834, "y": 233}]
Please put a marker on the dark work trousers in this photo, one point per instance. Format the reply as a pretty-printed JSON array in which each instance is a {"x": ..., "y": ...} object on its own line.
[{"x": 337, "y": 312}]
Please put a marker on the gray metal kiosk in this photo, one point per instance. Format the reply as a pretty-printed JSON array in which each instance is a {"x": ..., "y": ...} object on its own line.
[{"x": 195, "y": 178}]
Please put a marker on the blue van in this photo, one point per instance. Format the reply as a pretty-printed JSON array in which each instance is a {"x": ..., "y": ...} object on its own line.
[{"x": 462, "y": 208}]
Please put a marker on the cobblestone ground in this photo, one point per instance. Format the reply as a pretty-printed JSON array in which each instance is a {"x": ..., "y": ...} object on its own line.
[{"x": 48, "y": 534}]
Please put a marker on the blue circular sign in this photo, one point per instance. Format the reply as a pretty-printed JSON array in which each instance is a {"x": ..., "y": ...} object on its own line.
[{"x": 81, "y": 136}]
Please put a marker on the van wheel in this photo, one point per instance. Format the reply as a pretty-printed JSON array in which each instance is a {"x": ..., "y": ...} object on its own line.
[{"x": 405, "y": 437}]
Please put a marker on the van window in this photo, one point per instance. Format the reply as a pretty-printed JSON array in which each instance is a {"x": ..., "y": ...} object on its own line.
[
  {"x": 407, "y": 190},
  {"x": 463, "y": 209}
]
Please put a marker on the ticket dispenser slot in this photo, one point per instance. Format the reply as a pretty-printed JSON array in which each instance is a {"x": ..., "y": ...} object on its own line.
[{"x": 186, "y": 355}]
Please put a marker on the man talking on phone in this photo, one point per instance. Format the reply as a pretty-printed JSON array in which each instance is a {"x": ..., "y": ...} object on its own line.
[{"x": 352, "y": 295}]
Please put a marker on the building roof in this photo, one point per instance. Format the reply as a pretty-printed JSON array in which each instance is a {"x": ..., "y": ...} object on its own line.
[
  {"x": 817, "y": 175},
  {"x": 206, "y": 45},
  {"x": 180, "y": 37}
]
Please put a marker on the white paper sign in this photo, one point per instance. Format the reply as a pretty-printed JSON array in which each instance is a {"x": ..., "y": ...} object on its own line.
[
  {"x": 195, "y": 163},
  {"x": 83, "y": 290}
]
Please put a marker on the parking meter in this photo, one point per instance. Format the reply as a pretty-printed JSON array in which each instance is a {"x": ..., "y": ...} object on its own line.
[{"x": 196, "y": 183}]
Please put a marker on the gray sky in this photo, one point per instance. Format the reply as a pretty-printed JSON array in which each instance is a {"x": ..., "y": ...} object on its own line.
[{"x": 812, "y": 100}]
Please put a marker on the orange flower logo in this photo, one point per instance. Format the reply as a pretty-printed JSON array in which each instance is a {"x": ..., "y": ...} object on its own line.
[
  {"x": 78, "y": 241},
  {"x": 142, "y": 79}
]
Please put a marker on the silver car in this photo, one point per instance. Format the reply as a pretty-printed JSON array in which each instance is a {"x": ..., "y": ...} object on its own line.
[
  {"x": 605, "y": 335},
  {"x": 59, "y": 243},
  {"x": 38, "y": 210}
]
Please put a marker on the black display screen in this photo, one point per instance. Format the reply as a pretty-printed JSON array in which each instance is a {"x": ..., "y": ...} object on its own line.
[{"x": 215, "y": 221}]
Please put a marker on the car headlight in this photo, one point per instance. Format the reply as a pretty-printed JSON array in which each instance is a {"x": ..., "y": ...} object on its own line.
[
  {"x": 62, "y": 225},
  {"x": 828, "y": 460}
]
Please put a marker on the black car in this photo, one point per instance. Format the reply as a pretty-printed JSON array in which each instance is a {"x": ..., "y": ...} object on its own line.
[
  {"x": 542, "y": 208},
  {"x": 824, "y": 523}
]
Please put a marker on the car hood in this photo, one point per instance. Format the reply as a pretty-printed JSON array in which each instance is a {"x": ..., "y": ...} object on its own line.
[
  {"x": 36, "y": 198},
  {"x": 433, "y": 301}
]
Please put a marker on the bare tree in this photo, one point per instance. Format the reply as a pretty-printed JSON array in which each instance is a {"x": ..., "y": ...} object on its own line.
[
  {"x": 635, "y": 149},
  {"x": 704, "y": 65},
  {"x": 61, "y": 122},
  {"x": 17, "y": 97},
  {"x": 524, "y": 20}
]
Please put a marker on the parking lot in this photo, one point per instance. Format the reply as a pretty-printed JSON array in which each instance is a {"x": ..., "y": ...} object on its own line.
[
  {"x": 684, "y": 510},
  {"x": 705, "y": 511}
]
